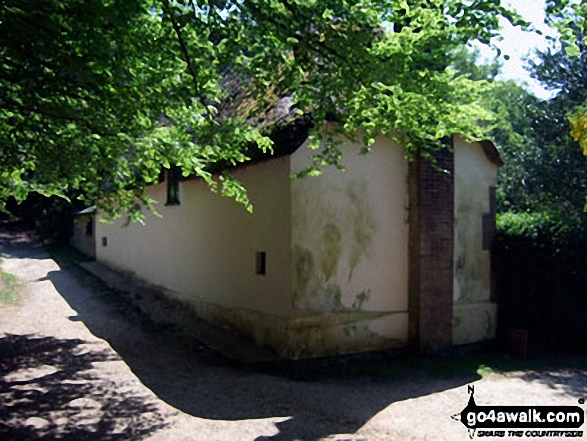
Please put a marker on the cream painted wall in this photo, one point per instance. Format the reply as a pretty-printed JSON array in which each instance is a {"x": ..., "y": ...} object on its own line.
[
  {"x": 79, "y": 239},
  {"x": 203, "y": 250},
  {"x": 474, "y": 315},
  {"x": 350, "y": 238},
  {"x": 337, "y": 251}
]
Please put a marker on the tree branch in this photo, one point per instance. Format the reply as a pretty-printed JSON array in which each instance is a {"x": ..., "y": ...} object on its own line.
[{"x": 169, "y": 10}]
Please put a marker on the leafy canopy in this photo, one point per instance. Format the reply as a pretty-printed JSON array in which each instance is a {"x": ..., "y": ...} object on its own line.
[
  {"x": 98, "y": 95},
  {"x": 570, "y": 18},
  {"x": 544, "y": 174}
]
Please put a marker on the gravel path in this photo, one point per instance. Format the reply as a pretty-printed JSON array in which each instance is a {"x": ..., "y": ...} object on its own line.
[{"x": 74, "y": 365}]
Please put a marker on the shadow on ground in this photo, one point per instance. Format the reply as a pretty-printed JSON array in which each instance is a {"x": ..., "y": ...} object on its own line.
[
  {"x": 190, "y": 377},
  {"x": 571, "y": 382},
  {"x": 48, "y": 391},
  {"x": 318, "y": 399},
  {"x": 16, "y": 240}
]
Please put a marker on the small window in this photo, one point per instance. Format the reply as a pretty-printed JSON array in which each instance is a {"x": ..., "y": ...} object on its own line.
[
  {"x": 104, "y": 241},
  {"x": 173, "y": 175},
  {"x": 261, "y": 263}
]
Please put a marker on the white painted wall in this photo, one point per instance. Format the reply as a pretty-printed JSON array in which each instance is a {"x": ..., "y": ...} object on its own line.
[
  {"x": 474, "y": 315},
  {"x": 203, "y": 250}
]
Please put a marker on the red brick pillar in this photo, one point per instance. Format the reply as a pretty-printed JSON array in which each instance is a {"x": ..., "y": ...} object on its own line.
[{"x": 431, "y": 252}]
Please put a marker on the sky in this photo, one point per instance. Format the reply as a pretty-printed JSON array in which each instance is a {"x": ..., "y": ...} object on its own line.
[{"x": 518, "y": 44}]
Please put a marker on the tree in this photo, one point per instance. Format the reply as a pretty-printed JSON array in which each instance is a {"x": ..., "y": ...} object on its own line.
[
  {"x": 570, "y": 18},
  {"x": 511, "y": 106},
  {"x": 543, "y": 172},
  {"x": 519, "y": 177},
  {"x": 563, "y": 71},
  {"x": 467, "y": 61},
  {"x": 98, "y": 95}
]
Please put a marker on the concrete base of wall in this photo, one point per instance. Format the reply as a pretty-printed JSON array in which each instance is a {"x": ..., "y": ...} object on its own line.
[
  {"x": 310, "y": 334},
  {"x": 158, "y": 306},
  {"x": 313, "y": 334},
  {"x": 266, "y": 338}
]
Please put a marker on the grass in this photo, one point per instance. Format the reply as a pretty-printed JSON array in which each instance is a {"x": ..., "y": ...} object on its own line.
[{"x": 9, "y": 288}]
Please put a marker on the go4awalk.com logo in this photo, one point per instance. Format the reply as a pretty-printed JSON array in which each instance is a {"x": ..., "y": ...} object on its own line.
[{"x": 521, "y": 421}]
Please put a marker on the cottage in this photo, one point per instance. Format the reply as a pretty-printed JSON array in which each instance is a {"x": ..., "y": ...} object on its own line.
[{"x": 386, "y": 254}]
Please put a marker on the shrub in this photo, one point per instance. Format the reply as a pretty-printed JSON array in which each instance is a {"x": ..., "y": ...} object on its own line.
[{"x": 540, "y": 267}]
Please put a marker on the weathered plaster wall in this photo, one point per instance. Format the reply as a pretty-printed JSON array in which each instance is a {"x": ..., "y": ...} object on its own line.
[
  {"x": 203, "y": 251},
  {"x": 83, "y": 242},
  {"x": 336, "y": 247},
  {"x": 350, "y": 253},
  {"x": 474, "y": 316}
]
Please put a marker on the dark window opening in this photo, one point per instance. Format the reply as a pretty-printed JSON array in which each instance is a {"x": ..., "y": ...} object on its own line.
[
  {"x": 173, "y": 175},
  {"x": 261, "y": 263},
  {"x": 489, "y": 225},
  {"x": 104, "y": 241},
  {"x": 488, "y": 231},
  {"x": 90, "y": 227}
]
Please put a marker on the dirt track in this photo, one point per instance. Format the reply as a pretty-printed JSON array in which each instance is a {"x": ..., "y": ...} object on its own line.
[{"x": 75, "y": 365}]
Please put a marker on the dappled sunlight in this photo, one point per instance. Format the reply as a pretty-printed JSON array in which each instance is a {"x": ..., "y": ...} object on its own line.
[
  {"x": 569, "y": 383},
  {"x": 49, "y": 390}
]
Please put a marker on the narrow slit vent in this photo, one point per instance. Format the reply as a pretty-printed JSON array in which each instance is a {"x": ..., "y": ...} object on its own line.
[{"x": 261, "y": 263}]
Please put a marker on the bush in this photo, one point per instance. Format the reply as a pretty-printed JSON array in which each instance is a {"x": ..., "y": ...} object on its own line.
[
  {"x": 50, "y": 217},
  {"x": 540, "y": 267}
]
